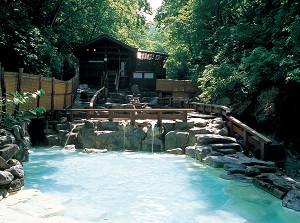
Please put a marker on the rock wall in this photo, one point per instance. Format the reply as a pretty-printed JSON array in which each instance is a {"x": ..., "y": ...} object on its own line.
[
  {"x": 206, "y": 140},
  {"x": 14, "y": 148},
  {"x": 145, "y": 136}
]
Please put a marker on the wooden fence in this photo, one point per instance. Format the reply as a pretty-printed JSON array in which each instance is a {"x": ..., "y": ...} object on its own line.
[
  {"x": 235, "y": 126},
  {"x": 58, "y": 94},
  {"x": 130, "y": 114},
  {"x": 179, "y": 90}
]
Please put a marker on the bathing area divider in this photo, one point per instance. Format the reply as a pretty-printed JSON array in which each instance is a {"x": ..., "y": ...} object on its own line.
[
  {"x": 130, "y": 114},
  {"x": 58, "y": 94},
  {"x": 248, "y": 135}
]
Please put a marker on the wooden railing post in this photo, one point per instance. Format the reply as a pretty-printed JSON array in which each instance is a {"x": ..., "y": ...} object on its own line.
[
  {"x": 71, "y": 116},
  {"x": 185, "y": 116},
  {"x": 263, "y": 151},
  {"x": 88, "y": 114},
  {"x": 230, "y": 126},
  {"x": 245, "y": 142},
  {"x": 110, "y": 115},
  {"x": 132, "y": 118},
  {"x": 159, "y": 118}
]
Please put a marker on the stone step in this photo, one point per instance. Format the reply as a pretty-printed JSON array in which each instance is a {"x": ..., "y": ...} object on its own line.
[{"x": 226, "y": 146}]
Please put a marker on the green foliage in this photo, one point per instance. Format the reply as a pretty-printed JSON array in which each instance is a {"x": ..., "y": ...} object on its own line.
[
  {"x": 11, "y": 115},
  {"x": 40, "y": 35},
  {"x": 233, "y": 48}
]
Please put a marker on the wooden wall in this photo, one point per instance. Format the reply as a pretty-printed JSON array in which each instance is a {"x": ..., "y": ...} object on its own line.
[{"x": 58, "y": 94}]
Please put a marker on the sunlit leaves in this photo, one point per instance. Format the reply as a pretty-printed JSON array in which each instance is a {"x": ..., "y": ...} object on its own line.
[{"x": 12, "y": 115}]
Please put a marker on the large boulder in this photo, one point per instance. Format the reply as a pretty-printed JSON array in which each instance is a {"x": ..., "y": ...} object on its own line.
[
  {"x": 5, "y": 178},
  {"x": 70, "y": 138},
  {"x": 175, "y": 151},
  {"x": 16, "y": 171},
  {"x": 87, "y": 134},
  {"x": 16, "y": 185},
  {"x": 6, "y": 137},
  {"x": 111, "y": 140},
  {"x": 182, "y": 139},
  {"x": 53, "y": 140},
  {"x": 169, "y": 125},
  {"x": 275, "y": 184},
  {"x": 109, "y": 125},
  {"x": 3, "y": 164},
  {"x": 202, "y": 152},
  {"x": 31, "y": 206},
  {"x": 155, "y": 131},
  {"x": 205, "y": 139},
  {"x": 292, "y": 200},
  {"x": 155, "y": 144},
  {"x": 219, "y": 161},
  {"x": 190, "y": 151},
  {"x": 94, "y": 151},
  {"x": 137, "y": 135},
  {"x": 176, "y": 139},
  {"x": 170, "y": 140},
  {"x": 9, "y": 150},
  {"x": 180, "y": 125}
]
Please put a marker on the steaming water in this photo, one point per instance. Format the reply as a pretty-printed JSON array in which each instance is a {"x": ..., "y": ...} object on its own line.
[{"x": 145, "y": 187}]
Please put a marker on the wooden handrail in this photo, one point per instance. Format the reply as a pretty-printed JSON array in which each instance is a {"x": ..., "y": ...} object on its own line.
[
  {"x": 235, "y": 126},
  {"x": 96, "y": 96},
  {"x": 131, "y": 114},
  {"x": 249, "y": 136}
]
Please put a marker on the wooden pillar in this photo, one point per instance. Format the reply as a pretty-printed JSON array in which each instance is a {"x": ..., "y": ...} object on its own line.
[
  {"x": 66, "y": 95},
  {"x": 19, "y": 84},
  {"x": 185, "y": 116},
  {"x": 74, "y": 88},
  {"x": 19, "y": 80},
  {"x": 132, "y": 118},
  {"x": 88, "y": 114},
  {"x": 106, "y": 88},
  {"x": 56, "y": 115},
  {"x": 71, "y": 116},
  {"x": 263, "y": 151},
  {"x": 3, "y": 90},
  {"x": 230, "y": 126},
  {"x": 245, "y": 142},
  {"x": 110, "y": 115},
  {"x": 159, "y": 118},
  {"x": 52, "y": 94},
  {"x": 40, "y": 87}
]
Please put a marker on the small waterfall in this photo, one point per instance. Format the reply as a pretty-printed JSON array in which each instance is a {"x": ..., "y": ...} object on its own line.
[
  {"x": 124, "y": 124},
  {"x": 66, "y": 143},
  {"x": 153, "y": 133}
]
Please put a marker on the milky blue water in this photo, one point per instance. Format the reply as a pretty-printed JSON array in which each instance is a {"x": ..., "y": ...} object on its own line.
[{"x": 144, "y": 187}]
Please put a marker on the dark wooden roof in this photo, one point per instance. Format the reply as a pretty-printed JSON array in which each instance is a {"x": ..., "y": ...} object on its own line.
[
  {"x": 100, "y": 39},
  {"x": 146, "y": 54}
]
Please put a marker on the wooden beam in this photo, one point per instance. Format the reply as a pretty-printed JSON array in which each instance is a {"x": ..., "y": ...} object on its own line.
[{"x": 3, "y": 90}]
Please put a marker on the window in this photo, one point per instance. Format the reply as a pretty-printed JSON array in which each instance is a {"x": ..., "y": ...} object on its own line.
[
  {"x": 137, "y": 75},
  {"x": 148, "y": 75}
]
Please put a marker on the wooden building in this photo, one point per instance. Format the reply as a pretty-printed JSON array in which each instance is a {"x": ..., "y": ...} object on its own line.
[{"x": 106, "y": 60}]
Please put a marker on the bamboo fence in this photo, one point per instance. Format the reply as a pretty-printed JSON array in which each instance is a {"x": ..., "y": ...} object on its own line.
[{"x": 58, "y": 94}]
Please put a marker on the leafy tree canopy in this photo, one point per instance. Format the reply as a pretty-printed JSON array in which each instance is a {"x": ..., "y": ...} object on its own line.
[
  {"x": 243, "y": 53},
  {"x": 234, "y": 49},
  {"x": 39, "y": 35}
]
